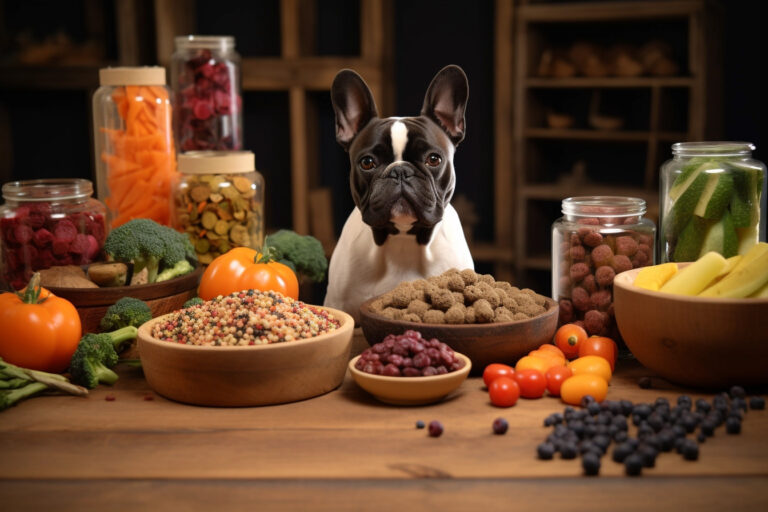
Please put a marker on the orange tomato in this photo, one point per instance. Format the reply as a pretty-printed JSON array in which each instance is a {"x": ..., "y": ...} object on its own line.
[
  {"x": 594, "y": 365},
  {"x": 244, "y": 268},
  {"x": 555, "y": 378},
  {"x": 39, "y": 330},
  {"x": 577, "y": 387},
  {"x": 548, "y": 347},
  {"x": 568, "y": 338},
  {"x": 556, "y": 359},
  {"x": 600, "y": 346},
  {"x": 533, "y": 363}
]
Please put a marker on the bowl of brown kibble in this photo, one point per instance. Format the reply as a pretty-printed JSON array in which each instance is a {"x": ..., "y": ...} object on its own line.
[
  {"x": 408, "y": 369},
  {"x": 489, "y": 321},
  {"x": 244, "y": 349}
]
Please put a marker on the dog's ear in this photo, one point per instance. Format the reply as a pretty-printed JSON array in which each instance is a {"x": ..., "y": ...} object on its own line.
[
  {"x": 353, "y": 105},
  {"x": 446, "y": 100}
]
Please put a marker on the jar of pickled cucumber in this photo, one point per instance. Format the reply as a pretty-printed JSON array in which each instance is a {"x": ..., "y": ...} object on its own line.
[
  {"x": 711, "y": 195},
  {"x": 219, "y": 201}
]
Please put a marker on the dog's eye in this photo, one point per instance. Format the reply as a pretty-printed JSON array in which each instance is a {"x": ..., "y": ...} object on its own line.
[
  {"x": 367, "y": 163},
  {"x": 433, "y": 160}
]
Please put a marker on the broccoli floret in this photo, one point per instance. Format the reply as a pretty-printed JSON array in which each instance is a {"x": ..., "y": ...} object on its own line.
[
  {"x": 180, "y": 268},
  {"x": 124, "y": 312},
  {"x": 96, "y": 354},
  {"x": 303, "y": 253},
  {"x": 194, "y": 301},
  {"x": 148, "y": 245}
]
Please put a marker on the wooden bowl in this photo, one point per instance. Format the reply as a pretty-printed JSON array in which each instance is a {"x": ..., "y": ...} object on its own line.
[
  {"x": 503, "y": 342},
  {"x": 162, "y": 298},
  {"x": 411, "y": 390},
  {"x": 248, "y": 375},
  {"x": 695, "y": 341}
]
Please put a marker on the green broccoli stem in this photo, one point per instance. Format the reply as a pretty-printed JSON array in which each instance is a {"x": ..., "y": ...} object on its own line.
[
  {"x": 152, "y": 264},
  {"x": 10, "y": 398},
  {"x": 103, "y": 374},
  {"x": 122, "y": 335},
  {"x": 180, "y": 268},
  {"x": 13, "y": 383}
]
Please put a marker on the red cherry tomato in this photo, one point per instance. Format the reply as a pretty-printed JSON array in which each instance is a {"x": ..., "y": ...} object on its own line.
[
  {"x": 532, "y": 383},
  {"x": 494, "y": 370},
  {"x": 504, "y": 391},
  {"x": 568, "y": 338},
  {"x": 600, "y": 346},
  {"x": 555, "y": 377}
]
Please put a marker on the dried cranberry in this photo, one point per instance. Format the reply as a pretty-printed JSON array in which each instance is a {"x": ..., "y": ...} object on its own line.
[
  {"x": 23, "y": 233},
  {"x": 80, "y": 245},
  {"x": 65, "y": 231}
]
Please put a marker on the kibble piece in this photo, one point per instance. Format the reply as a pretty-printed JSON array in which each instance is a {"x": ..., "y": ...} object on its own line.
[
  {"x": 403, "y": 295},
  {"x": 472, "y": 293},
  {"x": 486, "y": 278},
  {"x": 469, "y": 276},
  {"x": 418, "y": 307},
  {"x": 410, "y": 317},
  {"x": 502, "y": 315},
  {"x": 483, "y": 311},
  {"x": 443, "y": 299},
  {"x": 433, "y": 316},
  {"x": 469, "y": 315},
  {"x": 454, "y": 282},
  {"x": 455, "y": 314}
]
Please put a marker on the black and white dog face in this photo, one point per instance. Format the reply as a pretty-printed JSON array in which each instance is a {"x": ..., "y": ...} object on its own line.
[{"x": 402, "y": 174}]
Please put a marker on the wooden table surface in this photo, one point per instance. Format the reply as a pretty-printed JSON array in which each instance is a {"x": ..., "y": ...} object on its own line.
[{"x": 346, "y": 451}]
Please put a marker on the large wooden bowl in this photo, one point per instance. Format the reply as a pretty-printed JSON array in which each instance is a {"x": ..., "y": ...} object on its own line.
[
  {"x": 248, "y": 375},
  {"x": 695, "y": 341},
  {"x": 503, "y": 342}
]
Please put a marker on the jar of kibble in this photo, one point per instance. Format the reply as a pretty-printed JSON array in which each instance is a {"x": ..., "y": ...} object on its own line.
[
  {"x": 219, "y": 201},
  {"x": 596, "y": 238},
  {"x": 45, "y": 223}
]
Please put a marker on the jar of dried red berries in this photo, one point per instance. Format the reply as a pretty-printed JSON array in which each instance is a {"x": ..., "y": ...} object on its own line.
[
  {"x": 596, "y": 238},
  {"x": 48, "y": 222},
  {"x": 205, "y": 77}
]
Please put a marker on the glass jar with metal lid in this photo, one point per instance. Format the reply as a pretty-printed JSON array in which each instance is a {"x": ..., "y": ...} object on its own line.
[
  {"x": 219, "y": 201},
  {"x": 596, "y": 238},
  {"x": 48, "y": 222},
  {"x": 711, "y": 198},
  {"x": 205, "y": 77},
  {"x": 135, "y": 153}
]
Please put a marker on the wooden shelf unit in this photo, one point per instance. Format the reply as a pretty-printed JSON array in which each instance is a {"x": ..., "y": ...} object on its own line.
[{"x": 521, "y": 36}]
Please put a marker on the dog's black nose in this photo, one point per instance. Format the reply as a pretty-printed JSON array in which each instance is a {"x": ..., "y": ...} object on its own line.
[{"x": 400, "y": 173}]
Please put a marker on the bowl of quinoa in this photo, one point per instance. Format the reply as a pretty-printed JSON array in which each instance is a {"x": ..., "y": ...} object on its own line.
[{"x": 244, "y": 349}]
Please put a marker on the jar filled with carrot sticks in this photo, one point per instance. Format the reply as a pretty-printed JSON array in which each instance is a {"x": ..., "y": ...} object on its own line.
[{"x": 135, "y": 154}]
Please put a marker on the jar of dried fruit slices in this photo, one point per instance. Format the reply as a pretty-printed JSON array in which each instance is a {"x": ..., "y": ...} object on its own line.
[
  {"x": 219, "y": 201},
  {"x": 205, "y": 77},
  {"x": 48, "y": 222},
  {"x": 711, "y": 195},
  {"x": 135, "y": 153},
  {"x": 596, "y": 238}
]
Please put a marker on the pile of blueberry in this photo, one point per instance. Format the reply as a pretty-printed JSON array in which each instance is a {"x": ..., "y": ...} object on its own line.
[{"x": 660, "y": 427}]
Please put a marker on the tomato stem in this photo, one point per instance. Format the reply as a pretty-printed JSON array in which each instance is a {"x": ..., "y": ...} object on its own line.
[
  {"x": 266, "y": 255},
  {"x": 31, "y": 294}
]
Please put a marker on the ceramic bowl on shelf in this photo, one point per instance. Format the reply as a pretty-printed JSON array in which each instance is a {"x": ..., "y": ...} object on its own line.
[
  {"x": 483, "y": 344},
  {"x": 239, "y": 376},
  {"x": 694, "y": 341},
  {"x": 411, "y": 390}
]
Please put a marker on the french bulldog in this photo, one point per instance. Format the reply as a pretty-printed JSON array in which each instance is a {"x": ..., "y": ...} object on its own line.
[{"x": 403, "y": 226}]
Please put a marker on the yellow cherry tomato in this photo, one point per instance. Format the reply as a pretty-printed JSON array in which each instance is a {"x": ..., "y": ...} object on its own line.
[
  {"x": 533, "y": 363},
  {"x": 577, "y": 387},
  {"x": 555, "y": 359},
  {"x": 594, "y": 365}
]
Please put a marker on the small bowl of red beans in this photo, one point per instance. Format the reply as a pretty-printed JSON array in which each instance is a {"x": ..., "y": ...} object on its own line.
[{"x": 408, "y": 369}]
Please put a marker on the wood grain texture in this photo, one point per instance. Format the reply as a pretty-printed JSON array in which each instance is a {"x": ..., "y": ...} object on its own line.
[{"x": 345, "y": 451}]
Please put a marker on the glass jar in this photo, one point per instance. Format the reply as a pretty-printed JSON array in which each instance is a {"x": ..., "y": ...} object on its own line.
[
  {"x": 205, "y": 76},
  {"x": 48, "y": 222},
  {"x": 219, "y": 202},
  {"x": 135, "y": 154},
  {"x": 711, "y": 194},
  {"x": 596, "y": 238}
]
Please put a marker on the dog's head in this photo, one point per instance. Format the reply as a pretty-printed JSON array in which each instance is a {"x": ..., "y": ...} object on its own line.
[{"x": 402, "y": 174}]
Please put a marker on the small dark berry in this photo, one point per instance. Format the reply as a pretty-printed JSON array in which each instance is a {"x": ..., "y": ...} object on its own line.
[
  {"x": 708, "y": 427},
  {"x": 621, "y": 452},
  {"x": 590, "y": 430},
  {"x": 545, "y": 451},
  {"x": 553, "y": 419},
  {"x": 690, "y": 450},
  {"x": 577, "y": 427},
  {"x": 620, "y": 422},
  {"x": 661, "y": 401},
  {"x": 680, "y": 444},
  {"x": 701, "y": 437},
  {"x": 732, "y": 425},
  {"x": 626, "y": 407},
  {"x": 569, "y": 451},
  {"x": 645, "y": 382},
  {"x": 588, "y": 446},
  {"x": 644, "y": 430},
  {"x": 591, "y": 464},
  {"x": 647, "y": 455},
  {"x": 703, "y": 406},
  {"x": 739, "y": 403},
  {"x": 586, "y": 400},
  {"x": 435, "y": 428},
  {"x": 593, "y": 408},
  {"x": 735, "y": 413},
  {"x": 678, "y": 431},
  {"x": 602, "y": 442},
  {"x": 500, "y": 426},
  {"x": 666, "y": 440},
  {"x": 737, "y": 392},
  {"x": 689, "y": 422},
  {"x": 642, "y": 410},
  {"x": 655, "y": 421},
  {"x": 420, "y": 424},
  {"x": 684, "y": 401},
  {"x": 757, "y": 402},
  {"x": 633, "y": 465},
  {"x": 621, "y": 436}
]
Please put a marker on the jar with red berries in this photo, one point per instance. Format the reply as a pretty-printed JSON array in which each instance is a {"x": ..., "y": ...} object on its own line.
[
  {"x": 596, "y": 238},
  {"x": 49, "y": 222},
  {"x": 205, "y": 77}
]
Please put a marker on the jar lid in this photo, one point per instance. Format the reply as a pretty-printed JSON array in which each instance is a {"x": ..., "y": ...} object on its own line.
[
  {"x": 144, "y": 75},
  {"x": 603, "y": 206},
  {"x": 56, "y": 189},
  {"x": 712, "y": 148},
  {"x": 212, "y": 162},
  {"x": 203, "y": 42}
]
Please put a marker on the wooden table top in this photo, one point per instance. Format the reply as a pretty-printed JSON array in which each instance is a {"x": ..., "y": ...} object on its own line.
[{"x": 346, "y": 451}]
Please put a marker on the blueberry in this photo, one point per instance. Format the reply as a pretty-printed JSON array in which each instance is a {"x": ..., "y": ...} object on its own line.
[
  {"x": 739, "y": 403},
  {"x": 647, "y": 455},
  {"x": 602, "y": 442},
  {"x": 655, "y": 421},
  {"x": 644, "y": 430},
  {"x": 435, "y": 428},
  {"x": 701, "y": 437},
  {"x": 633, "y": 465},
  {"x": 680, "y": 444},
  {"x": 586, "y": 400},
  {"x": 690, "y": 450},
  {"x": 645, "y": 382},
  {"x": 621, "y": 452},
  {"x": 588, "y": 446},
  {"x": 626, "y": 407},
  {"x": 553, "y": 419},
  {"x": 560, "y": 430},
  {"x": 757, "y": 402},
  {"x": 661, "y": 401},
  {"x": 604, "y": 418},
  {"x": 735, "y": 413},
  {"x": 666, "y": 440},
  {"x": 590, "y": 430},
  {"x": 737, "y": 392},
  {"x": 733, "y": 425},
  {"x": 419, "y": 424},
  {"x": 569, "y": 451},
  {"x": 545, "y": 451},
  {"x": 621, "y": 436},
  {"x": 715, "y": 417},
  {"x": 500, "y": 426},
  {"x": 620, "y": 422},
  {"x": 591, "y": 464},
  {"x": 684, "y": 401},
  {"x": 593, "y": 408},
  {"x": 642, "y": 410},
  {"x": 703, "y": 406},
  {"x": 708, "y": 427},
  {"x": 613, "y": 406},
  {"x": 577, "y": 427},
  {"x": 689, "y": 422},
  {"x": 653, "y": 441}
]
